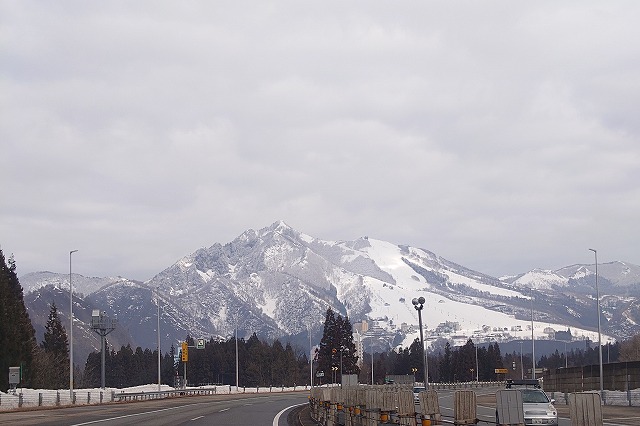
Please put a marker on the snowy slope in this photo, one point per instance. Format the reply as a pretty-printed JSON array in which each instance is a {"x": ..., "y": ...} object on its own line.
[
  {"x": 393, "y": 302},
  {"x": 540, "y": 280}
]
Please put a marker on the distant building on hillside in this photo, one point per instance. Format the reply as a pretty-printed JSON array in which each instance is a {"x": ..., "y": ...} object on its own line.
[
  {"x": 564, "y": 335},
  {"x": 357, "y": 341},
  {"x": 448, "y": 327},
  {"x": 362, "y": 326}
]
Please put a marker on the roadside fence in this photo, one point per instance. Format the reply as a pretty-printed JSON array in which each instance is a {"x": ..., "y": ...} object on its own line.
[{"x": 29, "y": 398}]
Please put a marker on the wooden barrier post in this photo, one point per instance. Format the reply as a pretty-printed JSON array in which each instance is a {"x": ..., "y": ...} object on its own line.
[
  {"x": 509, "y": 408},
  {"x": 465, "y": 408},
  {"x": 585, "y": 408},
  {"x": 429, "y": 408}
]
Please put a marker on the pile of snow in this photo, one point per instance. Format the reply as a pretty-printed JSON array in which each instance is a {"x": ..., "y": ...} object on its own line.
[{"x": 25, "y": 398}]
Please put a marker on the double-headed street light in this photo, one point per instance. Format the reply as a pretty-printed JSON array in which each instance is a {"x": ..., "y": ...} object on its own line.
[
  {"x": 595, "y": 253},
  {"x": 418, "y": 303}
]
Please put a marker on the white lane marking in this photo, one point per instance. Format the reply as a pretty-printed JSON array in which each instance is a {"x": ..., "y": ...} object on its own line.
[
  {"x": 196, "y": 418},
  {"x": 276, "y": 419},
  {"x": 152, "y": 412},
  {"x": 131, "y": 415},
  {"x": 224, "y": 409}
]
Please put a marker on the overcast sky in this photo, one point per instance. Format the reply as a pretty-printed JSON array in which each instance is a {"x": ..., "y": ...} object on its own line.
[{"x": 501, "y": 135}]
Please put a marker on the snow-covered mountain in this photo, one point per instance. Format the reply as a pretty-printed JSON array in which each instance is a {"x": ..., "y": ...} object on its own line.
[
  {"x": 81, "y": 285},
  {"x": 278, "y": 281}
]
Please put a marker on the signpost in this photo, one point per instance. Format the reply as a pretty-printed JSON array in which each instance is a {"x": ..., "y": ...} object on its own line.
[
  {"x": 185, "y": 358},
  {"x": 184, "y": 348},
  {"x": 14, "y": 378}
]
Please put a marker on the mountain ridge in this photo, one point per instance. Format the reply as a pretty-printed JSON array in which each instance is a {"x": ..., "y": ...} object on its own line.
[{"x": 278, "y": 281}]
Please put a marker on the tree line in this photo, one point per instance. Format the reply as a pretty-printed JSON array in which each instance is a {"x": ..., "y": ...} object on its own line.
[{"x": 260, "y": 364}]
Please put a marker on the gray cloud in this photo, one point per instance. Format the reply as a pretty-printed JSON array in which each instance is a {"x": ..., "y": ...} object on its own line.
[{"x": 502, "y": 136}]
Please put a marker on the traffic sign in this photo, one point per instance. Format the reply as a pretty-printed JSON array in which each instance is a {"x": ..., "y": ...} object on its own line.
[
  {"x": 185, "y": 352},
  {"x": 200, "y": 344},
  {"x": 502, "y": 370}
]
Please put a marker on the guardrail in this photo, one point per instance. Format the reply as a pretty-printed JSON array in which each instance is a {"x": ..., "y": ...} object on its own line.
[
  {"x": 216, "y": 390},
  {"x": 29, "y": 398}
]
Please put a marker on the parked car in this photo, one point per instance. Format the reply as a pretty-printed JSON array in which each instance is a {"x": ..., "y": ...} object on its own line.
[
  {"x": 537, "y": 407},
  {"x": 416, "y": 392}
]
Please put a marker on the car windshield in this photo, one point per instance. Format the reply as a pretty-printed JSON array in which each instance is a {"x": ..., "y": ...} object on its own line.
[
  {"x": 532, "y": 396},
  {"x": 418, "y": 389}
]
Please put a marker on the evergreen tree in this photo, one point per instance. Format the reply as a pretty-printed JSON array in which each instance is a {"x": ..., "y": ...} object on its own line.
[
  {"x": 467, "y": 362},
  {"x": 55, "y": 337},
  {"x": 328, "y": 345},
  {"x": 347, "y": 347},
  {"x": 55, "y": 353},
  {"x": 17, "y": 335},
  {"x": 446, "y": 365},
  {"x": 337, "y": 349}
]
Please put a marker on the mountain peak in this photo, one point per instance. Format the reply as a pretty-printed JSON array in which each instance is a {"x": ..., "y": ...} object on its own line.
[{"x": 280, "y": 226}]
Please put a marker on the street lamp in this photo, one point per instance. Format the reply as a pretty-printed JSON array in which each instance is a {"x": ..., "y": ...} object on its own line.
[
  {"x": 372, "y": 360},
  {"x": 237, "y": 369},
  {"x": 477, "y": 369},
  {"x": 341, "y": 351},
  {"x": 158, "y": 302},
  {"x": 70, "y": 330},
  {"x": 521, "y": 363},
  {"x": 595, "y": 253},
  {"x": 310, "y": 355},
  {"x": 418, "y": 304},
  {"x": 533, "y": 342}
]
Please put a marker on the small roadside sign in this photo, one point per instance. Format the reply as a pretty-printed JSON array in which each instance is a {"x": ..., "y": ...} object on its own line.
[
  {"x": 502, "y": 370},
  {"x": 185, "y": 352},
  {"x": 200, "y": 344},
  {"x": 14, "y": 375}
]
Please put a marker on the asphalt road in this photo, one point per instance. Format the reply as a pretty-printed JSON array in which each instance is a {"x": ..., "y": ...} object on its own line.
[{"x": 242, "y": 409}]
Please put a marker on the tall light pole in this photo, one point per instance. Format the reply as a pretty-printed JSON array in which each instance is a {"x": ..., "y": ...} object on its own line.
[
  {"x": 521, "y": 363},
  {"x": 595, "y": 253},
  {"x": 418, "y": 304},
  {"x": 341, "y": 351},
  {"x": 70, "y": 330},
  {"x": 372, "y": 360},
  {"x": 237, "y": 370},
  {"x": 310, "y": 355},
  {"x": 477, "y": 375},
  {"x": 158, "y": 328},
  {"x": 533, "y": 342}
]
